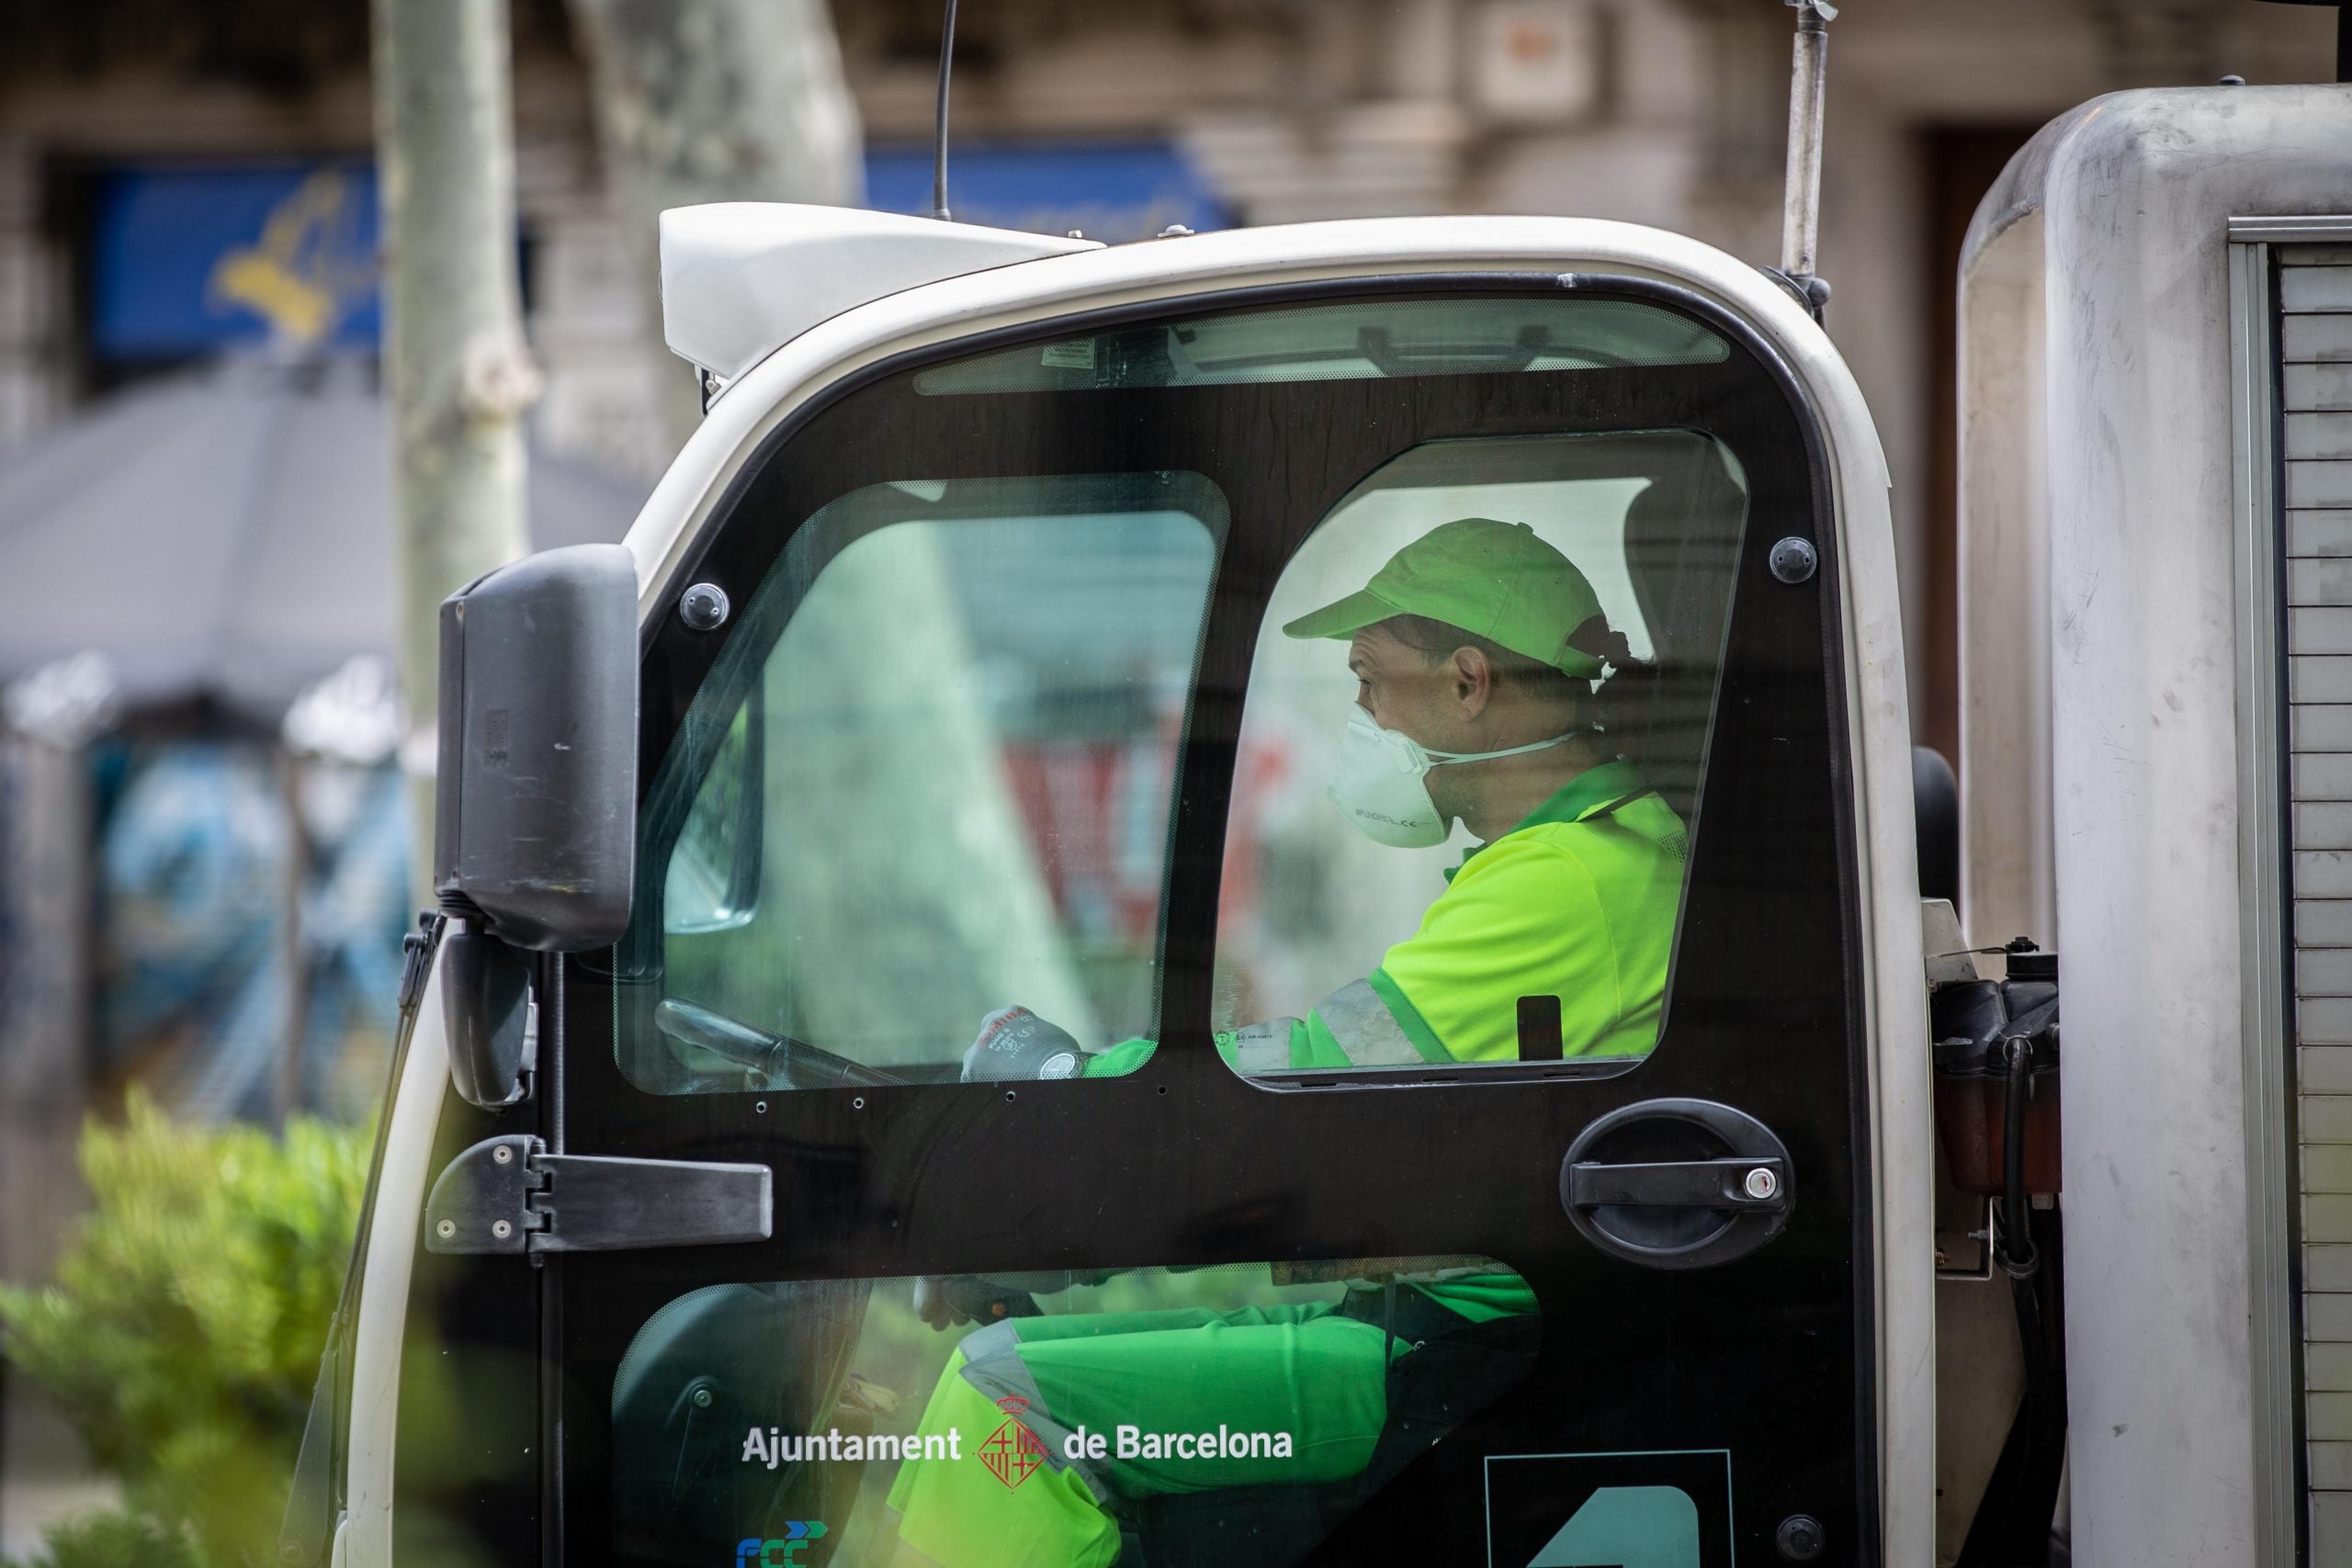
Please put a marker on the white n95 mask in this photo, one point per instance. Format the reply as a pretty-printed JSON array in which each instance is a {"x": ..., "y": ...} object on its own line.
[{"x": 1379, "y": 782}]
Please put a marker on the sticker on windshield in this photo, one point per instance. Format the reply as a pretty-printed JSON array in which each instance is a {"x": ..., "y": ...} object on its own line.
[{"x": 1669, "y": 1509}]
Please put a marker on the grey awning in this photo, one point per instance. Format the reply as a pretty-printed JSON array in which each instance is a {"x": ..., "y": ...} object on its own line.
[{"x": 226, "y": 533}]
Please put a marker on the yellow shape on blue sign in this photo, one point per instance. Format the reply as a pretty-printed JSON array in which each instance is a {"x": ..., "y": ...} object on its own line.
[{"x": 304, "y": 271}]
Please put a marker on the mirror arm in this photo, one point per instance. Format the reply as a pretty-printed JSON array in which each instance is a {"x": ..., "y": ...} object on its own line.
[{"x": 491, "y": 1014}]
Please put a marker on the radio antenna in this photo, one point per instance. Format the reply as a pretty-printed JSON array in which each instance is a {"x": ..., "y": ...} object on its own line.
[
  {"x": 1801, "y": 202},
  {"x": 939, "y": 124}
]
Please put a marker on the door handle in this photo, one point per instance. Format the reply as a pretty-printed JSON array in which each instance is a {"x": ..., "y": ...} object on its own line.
[
  {"x": 1678, "y": 1183},
  {"x": 1733, "y": 1186}
]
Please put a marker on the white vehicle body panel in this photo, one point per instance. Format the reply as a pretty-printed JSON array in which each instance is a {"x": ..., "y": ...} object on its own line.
[
  {"x": 364, "y": 1538},
  {"x": 769, "y": 393},
  {"x": 2108, "y": 685},
  {"x": 740, "y": 279}
]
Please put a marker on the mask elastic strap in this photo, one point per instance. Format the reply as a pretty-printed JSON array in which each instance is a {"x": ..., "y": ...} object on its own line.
[{"x": 1508, "y": 752}]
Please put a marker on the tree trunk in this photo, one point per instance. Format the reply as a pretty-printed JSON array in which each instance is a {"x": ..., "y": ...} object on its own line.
[
  {"x": 47, "y": 848},
  {"x": 714, "y": 100},
  {"x": 457, "y": 373}
]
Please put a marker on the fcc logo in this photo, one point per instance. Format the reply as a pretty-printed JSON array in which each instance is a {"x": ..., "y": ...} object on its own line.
[{"x": 753, "y": 1552}]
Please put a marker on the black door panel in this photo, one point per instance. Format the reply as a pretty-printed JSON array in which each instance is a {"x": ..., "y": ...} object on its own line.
[{"x": 1133, "y": 1184}]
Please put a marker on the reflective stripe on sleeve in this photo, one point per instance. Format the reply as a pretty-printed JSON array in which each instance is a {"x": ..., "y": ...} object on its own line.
[{"x": 1364, "y": 1027}]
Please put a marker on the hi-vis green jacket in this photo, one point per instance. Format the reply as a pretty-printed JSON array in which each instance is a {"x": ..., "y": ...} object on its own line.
[{"x": 1578, "y": 901}]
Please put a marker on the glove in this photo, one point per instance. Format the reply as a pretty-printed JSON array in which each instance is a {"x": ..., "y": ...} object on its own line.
[{"x": 1016, "y": 1045}]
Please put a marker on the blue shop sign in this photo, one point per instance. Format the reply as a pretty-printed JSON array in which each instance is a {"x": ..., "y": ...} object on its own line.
[{"x": 189, "y": 258}]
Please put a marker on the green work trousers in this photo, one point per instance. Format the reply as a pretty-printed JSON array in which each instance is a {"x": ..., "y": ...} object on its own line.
[{"x": 1064, "y": 1419}]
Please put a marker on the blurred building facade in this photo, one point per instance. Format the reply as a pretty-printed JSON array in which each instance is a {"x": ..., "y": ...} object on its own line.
[
  {"x": 1668, "y": 112},
  {"x": 181, "y": 181},
  {"x": 184, "y": 179}
]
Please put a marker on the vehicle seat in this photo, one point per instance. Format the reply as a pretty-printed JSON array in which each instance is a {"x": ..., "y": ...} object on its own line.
[
  {"x": 1683, "y": 537},
  {"x": 703, "y": 1371}
]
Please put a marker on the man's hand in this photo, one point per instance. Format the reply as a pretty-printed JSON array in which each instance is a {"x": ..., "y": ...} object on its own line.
[{"x": 1016, "y": 1045}]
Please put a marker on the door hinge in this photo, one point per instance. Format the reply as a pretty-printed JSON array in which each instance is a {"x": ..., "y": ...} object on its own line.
[{"x": 508, "y": 1194}]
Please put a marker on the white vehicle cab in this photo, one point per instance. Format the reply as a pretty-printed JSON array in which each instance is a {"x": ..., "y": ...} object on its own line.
[{"x": 945, "y": 673}]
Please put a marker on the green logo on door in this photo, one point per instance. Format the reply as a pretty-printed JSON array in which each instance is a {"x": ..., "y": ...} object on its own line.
[
  {"x": 1627, "y": 1527},
  {"x": 1669, "y": 1508}
]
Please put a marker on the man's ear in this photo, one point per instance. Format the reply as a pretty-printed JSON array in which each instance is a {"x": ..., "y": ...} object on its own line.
[{"x": 1474, "y": 680}]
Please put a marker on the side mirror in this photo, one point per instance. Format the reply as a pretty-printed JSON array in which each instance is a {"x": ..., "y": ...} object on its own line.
[
  {"x": 536, "y": 810},
  {"x": 535, "y": 841}
]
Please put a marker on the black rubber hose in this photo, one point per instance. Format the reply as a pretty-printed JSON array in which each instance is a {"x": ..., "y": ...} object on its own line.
[{"x": 2015, "y": 1254}]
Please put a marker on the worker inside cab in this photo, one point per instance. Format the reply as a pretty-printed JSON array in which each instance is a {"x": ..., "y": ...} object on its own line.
[
  {"x": 1482, "y": 662},
  {"x": 1481, "y": 656}
]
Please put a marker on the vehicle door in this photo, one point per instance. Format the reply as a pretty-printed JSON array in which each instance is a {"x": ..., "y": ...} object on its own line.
[{"x": 982, "y": 701}]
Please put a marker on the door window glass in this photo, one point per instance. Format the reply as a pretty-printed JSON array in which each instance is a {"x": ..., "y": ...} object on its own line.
[
  {"x": 1229, "y": 1414},
  {"x": 932, "y": 771},
  {"x": 1470, "y": 758}
]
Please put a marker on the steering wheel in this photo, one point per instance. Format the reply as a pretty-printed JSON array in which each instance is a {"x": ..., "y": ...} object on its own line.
[{"x": 787, "y": 1064}]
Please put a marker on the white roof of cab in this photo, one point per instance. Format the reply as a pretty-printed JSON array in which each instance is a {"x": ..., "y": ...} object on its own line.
[{"x": 741, "y": 279}]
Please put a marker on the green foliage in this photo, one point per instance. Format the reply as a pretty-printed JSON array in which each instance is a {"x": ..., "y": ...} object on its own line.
[
  {"x": 183, "y": 1332},
  {"x": 113, "y": 1541}
]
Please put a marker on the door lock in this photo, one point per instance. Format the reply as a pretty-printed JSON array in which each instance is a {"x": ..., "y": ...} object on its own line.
[{"x": 1678, "y": 1183}]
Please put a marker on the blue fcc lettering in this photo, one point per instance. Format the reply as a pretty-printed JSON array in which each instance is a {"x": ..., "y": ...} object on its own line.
[{"x": 753, "y": 1552}]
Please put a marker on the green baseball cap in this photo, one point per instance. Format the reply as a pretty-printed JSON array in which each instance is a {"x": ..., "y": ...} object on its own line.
[{"x": 1496, "y": 580}]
